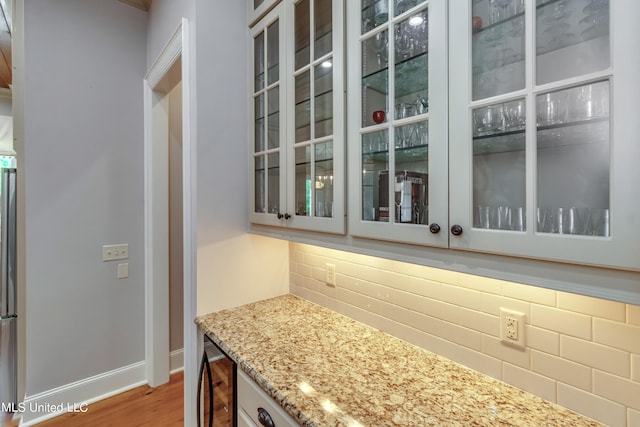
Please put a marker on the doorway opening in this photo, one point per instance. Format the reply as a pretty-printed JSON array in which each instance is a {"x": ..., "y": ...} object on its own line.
[{"x": 170, "y": 224}]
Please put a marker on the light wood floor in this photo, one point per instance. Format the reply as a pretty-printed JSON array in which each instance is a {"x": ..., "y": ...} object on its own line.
[
  {"x": 146, "y": 406},
  {"x": 142, "y": 406}
]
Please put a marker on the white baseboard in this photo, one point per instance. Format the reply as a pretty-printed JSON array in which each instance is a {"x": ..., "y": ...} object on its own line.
[
  {"x": 75, "y": 396},
  {"x": 176, "y": 361}
]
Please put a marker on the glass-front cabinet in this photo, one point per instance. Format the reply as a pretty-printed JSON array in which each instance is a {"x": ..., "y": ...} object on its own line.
[
  {"x": 298, "y": 117},
  {"x": 257, "y": 8},
  {"x": 545, "y": 134},
  {"x": 397, "y": 109}
]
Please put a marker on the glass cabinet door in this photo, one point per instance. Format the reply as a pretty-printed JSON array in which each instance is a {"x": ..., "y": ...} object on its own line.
[
  {"x": 268, "y": 153},
  {"x": 317, "y": 125},
  {"x": 398, "y": 47},
  {"x": 532, "y": 140}
]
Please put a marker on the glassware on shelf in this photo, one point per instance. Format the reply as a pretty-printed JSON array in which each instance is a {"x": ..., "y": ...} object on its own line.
[
  {"x": 514, "y": 115},
  {"x": 404, "y": 110},
  {"x": 381, "y": 14},
  {"x": 581, "y": 221},
  {"x": 381, "y": 47},
  {"x": 552, "y": 108},
  {"x": 422, "y": 104},
  {"x": 589, "y": 101},
  {"x": 488, "y": 120},
  {"x": 499, "y": 218}
]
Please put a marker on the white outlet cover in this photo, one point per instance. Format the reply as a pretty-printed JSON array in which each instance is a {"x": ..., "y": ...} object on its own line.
[{"x": 519, "y": 317}]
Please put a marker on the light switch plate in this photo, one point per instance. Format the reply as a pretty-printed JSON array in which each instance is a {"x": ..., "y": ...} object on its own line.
[
  {"x": 123, "y": 270},
  {"x": 330, "y": 278},
  {"x": 114, "y": 252}
]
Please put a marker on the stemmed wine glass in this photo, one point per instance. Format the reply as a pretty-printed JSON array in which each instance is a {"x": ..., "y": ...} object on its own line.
[{"x": 380, "y": 44}]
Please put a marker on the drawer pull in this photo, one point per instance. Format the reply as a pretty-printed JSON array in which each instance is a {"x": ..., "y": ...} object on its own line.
[{"x": 264, "y": 418}]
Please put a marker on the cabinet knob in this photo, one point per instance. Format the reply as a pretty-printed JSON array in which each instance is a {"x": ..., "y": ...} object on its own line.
[
  {"x": 287, "y": 216},
  {"x": 280, "y": 215},
  {"x": 456, "y": 230},
  {"x": 434, "y": 228},
  {"x": 264, "y": 418}
]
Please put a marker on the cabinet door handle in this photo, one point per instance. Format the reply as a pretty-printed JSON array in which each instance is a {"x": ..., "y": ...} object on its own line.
[
  {"x": 264, "y": 418},
  {"x": 280, "y": 215},
  {"x": 434, "y": 228},
  {"x": 456, "y": 230},
  {"x": 287, "y": 216}
]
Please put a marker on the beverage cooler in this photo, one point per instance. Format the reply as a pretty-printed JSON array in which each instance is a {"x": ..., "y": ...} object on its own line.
[{"x": 217, "y": 388}]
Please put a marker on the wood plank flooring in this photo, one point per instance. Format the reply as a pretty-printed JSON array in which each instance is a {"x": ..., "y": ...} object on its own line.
[{"x": 143, "y": 406}]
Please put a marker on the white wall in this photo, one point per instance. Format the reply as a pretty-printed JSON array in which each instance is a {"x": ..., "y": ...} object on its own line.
[
  {"x": 164, "y": 18},
  {"x": 83, "y": 156},
  {"x": 233, "y": 267}
]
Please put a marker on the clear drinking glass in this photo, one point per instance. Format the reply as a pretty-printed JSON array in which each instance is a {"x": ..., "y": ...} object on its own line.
[{"x": 303, "y": 181}]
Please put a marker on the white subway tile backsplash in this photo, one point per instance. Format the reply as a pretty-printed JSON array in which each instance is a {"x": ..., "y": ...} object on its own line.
[
  {"x": 529, "y": 293},
  {"x": 543, "y": 340},
  {"x": 633, "y": 314},
  {"x": 596, "y": 355},
  {"x": 479, "y": 283},
  {"x": 616, "y": 388},
  {"x": 582, "y": 352},
  {"x": 442, "y": 347},
  {"x": 304, "y": 270},
  {"x": 493, "y": 303},
  {"x": 524, "y": 379},
  {"x": 492, "y": 346},
  {"x": 563, "y": 370},
  {"x": 452, "y": 332},
  {"x": 604, "y": 410},
  {"x": 616, "y": 334},
  {"x": 592, "y": 306},
  {"x": 562, "y": 321},
  {"x": 481, "y": 322},
  {"x": 481, "y": 362}
]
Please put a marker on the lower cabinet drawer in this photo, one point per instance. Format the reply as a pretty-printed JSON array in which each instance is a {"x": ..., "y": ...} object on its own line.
[
  {"x": 259, "y": 406},
  {"x": 244, "y": 420}
]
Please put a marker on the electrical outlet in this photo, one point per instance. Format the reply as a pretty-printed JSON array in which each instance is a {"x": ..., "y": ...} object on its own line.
[
  {"x": 330, "y": 278},
  {"x": 114, "y": 252},
  {"x": 512, "y": 327}
]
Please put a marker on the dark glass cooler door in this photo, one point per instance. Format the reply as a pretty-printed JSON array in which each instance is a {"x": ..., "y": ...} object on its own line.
[{"x": 217, "y": 405}]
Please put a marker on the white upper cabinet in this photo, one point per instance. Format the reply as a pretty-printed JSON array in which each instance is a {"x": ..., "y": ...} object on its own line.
[
  {"x": 298, "y": 160},
  {"x": 397, "y": 109},
  {"x": 544, "y": 144},
  {"x": 257, "y": 8},
  {"x": 505, "y": 127}
]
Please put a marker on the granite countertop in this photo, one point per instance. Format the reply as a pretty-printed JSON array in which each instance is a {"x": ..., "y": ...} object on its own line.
[{"x": 326, "y": 369}]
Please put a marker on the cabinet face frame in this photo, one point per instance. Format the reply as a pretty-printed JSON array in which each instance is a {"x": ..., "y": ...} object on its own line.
[
  {"x": 437, "y": 127},
  {"x": 284, "y": 12},
  {"x": 621, "y": 248},
  {"x": 254, "y": 13}
]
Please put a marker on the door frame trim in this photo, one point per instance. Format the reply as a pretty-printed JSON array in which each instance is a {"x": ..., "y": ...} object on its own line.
[{"x": 156, "y": 238}]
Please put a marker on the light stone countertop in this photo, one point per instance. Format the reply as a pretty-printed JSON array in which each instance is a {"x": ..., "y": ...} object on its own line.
[{"x": 326, "y": 369}]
